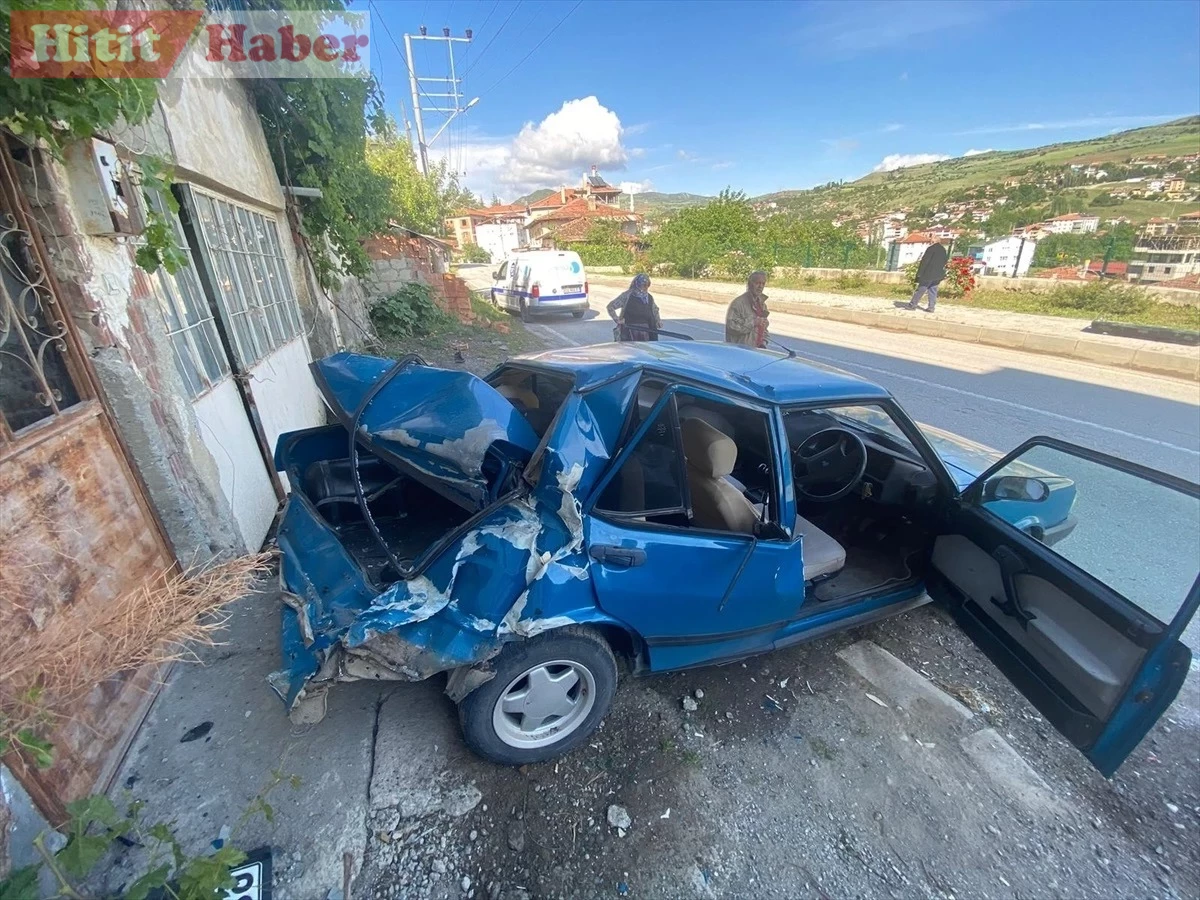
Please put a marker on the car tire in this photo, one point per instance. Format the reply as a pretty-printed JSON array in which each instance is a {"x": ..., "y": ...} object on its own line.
[
  {"x": 579, "y": 313},
  {"x": 493, "y": 727}
]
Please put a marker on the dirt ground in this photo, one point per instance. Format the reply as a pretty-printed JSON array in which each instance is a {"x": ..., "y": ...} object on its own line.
[{"x": 809, "y": 789}]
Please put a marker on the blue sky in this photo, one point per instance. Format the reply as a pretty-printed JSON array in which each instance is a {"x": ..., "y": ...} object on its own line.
[{"x": 762, "y": 96}]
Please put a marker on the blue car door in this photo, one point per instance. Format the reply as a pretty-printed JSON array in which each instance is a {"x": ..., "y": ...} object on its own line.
[
  {"x": 1087, "y": 623},
  {"x": 694, "y": 594}
]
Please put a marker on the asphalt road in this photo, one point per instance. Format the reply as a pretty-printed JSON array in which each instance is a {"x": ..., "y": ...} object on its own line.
[{"x": 1000, "y": 398}]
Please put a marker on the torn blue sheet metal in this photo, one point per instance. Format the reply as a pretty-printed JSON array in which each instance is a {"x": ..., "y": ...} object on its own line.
[
  {"x": 450, "y": 430},
  {"x": 515, "y": 569}
]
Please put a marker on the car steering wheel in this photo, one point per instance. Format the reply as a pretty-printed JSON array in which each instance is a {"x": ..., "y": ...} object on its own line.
[{"x": 831, "y": 455}]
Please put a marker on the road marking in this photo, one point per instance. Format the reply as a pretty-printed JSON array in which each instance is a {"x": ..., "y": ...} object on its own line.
[
  {"x": 566, "y": 341},
  {"x": 846, "y": 364}
]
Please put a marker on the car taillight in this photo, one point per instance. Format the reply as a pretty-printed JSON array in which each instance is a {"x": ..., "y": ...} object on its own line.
[
  {"x": 586, "y": 288},
  {"x": 535, "y": 291}
]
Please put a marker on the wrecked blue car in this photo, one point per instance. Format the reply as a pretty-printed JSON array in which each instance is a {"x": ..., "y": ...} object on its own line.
[{"x": 679, "y": 504}]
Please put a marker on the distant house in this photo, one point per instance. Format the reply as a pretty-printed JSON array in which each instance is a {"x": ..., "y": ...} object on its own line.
[
  {"x": 1009, "y": 256},
  {"x": 909, "y": 249},
  {"x": 1072, "y": 223},
  {"x": 462, "y": 226},
  {"x": 542, "y": 225},
  {"x": 1158, "y": 227}
]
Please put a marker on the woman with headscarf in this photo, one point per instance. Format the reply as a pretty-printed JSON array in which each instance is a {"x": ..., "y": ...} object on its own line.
[
  {"x": 635, "y": 311},
  {"x": 747, "y": 318}
]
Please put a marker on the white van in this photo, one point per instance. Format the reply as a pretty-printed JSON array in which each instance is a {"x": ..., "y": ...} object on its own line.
[{"x": 541, "y": 281}]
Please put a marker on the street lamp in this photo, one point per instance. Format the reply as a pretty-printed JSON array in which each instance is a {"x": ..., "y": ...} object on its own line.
[{"x": 446, "y": 124}]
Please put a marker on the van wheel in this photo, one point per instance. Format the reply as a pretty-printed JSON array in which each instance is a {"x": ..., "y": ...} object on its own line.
[
  {"x": 548, "y": 696},
  {"x": 578, "y": 313},
  {"x": 526, "y": 316}
]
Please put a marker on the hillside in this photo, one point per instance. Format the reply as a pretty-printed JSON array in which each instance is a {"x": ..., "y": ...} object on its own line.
[
  {"x": 655, "y": 202},
  {"x": 926, "y": 184}
]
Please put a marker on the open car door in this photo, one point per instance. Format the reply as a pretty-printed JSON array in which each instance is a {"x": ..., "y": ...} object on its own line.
[{"x": 1081, "y": 605}]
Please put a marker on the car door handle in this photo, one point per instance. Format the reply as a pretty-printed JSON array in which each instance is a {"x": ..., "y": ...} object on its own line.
[
  {"x": 1011, "y": 566},
  {"x": 620, "y": 557}
]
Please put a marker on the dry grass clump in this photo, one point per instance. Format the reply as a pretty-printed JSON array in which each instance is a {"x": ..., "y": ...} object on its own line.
[{"x": 47, "y": 671}]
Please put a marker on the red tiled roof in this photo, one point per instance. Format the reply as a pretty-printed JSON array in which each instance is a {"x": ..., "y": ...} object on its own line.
[
  {"x": 504, "y": 209},
  {"x": 1073, "y": 273},
  {"x": 577, "y": 230},
  {"x": 580, "y": 208},
  {"x": 1071, "y": 217},
  {"x": 917, "y": 237},
  {"x": 1187, "y": 282},
  {"x": 1191, "y": 217}
]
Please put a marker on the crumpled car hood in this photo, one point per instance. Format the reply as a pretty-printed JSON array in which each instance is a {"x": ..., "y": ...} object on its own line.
[{"x": 450, "y": 430}]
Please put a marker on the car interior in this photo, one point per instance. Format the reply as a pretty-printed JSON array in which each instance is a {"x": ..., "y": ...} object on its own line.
[
  {"x": 859, "y": 482},
  {"x": 536, "y": 394}
]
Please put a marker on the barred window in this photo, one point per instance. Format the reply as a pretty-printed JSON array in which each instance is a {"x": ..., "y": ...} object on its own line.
[
  {"x": 199, "y": 355},
  {"x": 250, "y": 275}
]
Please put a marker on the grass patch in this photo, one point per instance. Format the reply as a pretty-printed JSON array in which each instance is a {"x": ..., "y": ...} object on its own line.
[
  {"x": 440, "y": 338},
  {"x": 1108, "y": 300}
]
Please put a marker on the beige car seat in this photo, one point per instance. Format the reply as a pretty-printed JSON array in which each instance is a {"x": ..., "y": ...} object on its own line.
[{"x": 717, "y": 503}]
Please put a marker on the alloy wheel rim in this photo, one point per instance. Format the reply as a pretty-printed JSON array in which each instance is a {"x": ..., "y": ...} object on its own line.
[{"x": 544, "y": 704}]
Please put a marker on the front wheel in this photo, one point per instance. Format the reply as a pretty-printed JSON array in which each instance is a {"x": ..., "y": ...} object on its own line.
[
  {"x": 548, "y": 696},
  {"x": 578, "y": 313}
]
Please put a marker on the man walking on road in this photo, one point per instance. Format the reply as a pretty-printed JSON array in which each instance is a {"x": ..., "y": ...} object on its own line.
[
  {"x": 930, "y": 272},
  {"x": 746, "y": 320}
]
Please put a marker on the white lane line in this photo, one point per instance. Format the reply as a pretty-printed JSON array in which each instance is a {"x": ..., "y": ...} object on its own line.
[
  {"x": 985, "y": 397},
  {"x": 566, "y": 341}
]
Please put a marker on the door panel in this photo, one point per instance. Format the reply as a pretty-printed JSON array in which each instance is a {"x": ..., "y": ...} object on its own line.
[
  {"x": 1063, "y": 635},
  {"x": 673, "y": 596},
  {"x": 1084, "y": 614}
]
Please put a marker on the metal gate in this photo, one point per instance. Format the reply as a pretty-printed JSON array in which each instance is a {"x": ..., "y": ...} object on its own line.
[{"x": 76, "y": 529}]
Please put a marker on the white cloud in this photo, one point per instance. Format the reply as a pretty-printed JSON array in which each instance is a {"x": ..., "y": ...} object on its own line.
[
  {"x": 636, "y": 187},
  {"x": 893, "y": 126},
  {"x": 894, "y": 161},
  {"x": 974, "y": 152},
  {"x": 849, "y": 30},
  {"x": 725, "y": 164},
  {"x": 637, "y": 152},
  {"x": 554, "y": 151},
  {"x": 686, "y": 156}
]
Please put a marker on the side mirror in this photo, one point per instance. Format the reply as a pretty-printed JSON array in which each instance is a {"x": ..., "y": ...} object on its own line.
[
  {"x": 1016, "y": 487},
  {"x": 496, "y": 275}
]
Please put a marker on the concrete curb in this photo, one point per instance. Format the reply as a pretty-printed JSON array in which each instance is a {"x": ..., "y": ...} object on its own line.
[{"x": 1159, "y": 362}]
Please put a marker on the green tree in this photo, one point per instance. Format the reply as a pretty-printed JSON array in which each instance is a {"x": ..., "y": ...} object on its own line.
[
  {"x": 473, "y": 253},
  {"x": 603, "y": 246},
  {"x": 416, "y": 201}
]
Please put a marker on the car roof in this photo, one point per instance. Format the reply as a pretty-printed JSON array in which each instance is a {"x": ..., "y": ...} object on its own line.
[{"x": 760, "y": 374}]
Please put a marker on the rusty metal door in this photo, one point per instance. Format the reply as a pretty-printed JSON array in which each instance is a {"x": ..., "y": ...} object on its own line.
[{"x": 76, "y": 530}]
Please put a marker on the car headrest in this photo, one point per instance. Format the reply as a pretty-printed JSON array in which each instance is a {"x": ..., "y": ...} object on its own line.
[
  {"x": 712, "y": 417},
  {"x": 708, "y": 451},
  {"x": 525, "y": 397}
]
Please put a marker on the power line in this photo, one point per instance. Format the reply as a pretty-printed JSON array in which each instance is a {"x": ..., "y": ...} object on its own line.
[
  {"x": 535, "y": 48},
  {"x": 495, "y": 3},
  {"x": 479, "y": 58},
  {"x": 388, "y": 31}
]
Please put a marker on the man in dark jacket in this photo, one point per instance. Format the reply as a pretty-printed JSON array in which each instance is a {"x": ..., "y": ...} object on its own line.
[{"x": 930, "y": 272}]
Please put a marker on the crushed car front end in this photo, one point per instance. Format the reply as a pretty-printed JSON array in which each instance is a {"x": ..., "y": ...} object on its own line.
[{"x": 447, "y": 529}]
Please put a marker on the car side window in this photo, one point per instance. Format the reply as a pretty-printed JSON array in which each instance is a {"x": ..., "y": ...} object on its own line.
[
  {"x": 702, "y": 464},
  {"x": 503, "y": 273},
  {"x": 650, "y": 482},
  {"x": 1134, "y": 534}
]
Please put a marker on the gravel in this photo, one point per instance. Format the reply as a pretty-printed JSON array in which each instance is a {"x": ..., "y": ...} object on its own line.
[{"x": 831, "y": 795}]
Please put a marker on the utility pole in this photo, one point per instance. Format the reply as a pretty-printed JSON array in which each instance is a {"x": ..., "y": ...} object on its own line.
[{"x": 452, "y": 90}]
